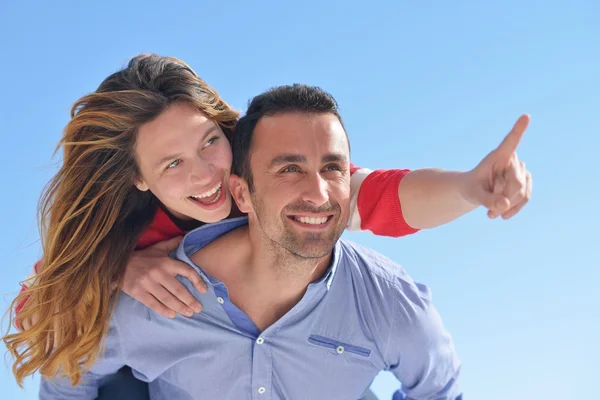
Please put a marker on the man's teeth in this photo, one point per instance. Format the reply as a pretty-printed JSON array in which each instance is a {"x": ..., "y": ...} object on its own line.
[
  {"x": 311, "y": 220},
  {"x": 209, "y": 193}
]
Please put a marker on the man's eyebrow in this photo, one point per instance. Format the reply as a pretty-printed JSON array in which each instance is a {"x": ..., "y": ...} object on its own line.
[
  {"x": 297, "y": 158},
  {"x": 175, "y": 156},
  {"x": 287, "y": 158},
  {"x": 335, "y": 157}
]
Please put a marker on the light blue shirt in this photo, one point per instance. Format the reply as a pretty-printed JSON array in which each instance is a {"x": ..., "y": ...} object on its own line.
[{"x": 364, "y": 316}]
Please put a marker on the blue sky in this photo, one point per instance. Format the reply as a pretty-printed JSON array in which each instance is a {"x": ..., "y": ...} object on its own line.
[{"x": 420, "y": 84}]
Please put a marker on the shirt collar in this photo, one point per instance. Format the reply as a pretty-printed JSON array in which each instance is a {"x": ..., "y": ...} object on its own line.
[{"x": 202, "y": 236}]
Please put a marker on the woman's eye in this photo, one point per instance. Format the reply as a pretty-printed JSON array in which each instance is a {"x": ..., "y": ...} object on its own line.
[
  {"x": 173, "y": 164},
  {"x": 211, "y": 141}
]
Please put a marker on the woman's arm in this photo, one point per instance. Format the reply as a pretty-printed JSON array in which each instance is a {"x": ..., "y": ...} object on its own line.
[{"x": 399, "y": 202}]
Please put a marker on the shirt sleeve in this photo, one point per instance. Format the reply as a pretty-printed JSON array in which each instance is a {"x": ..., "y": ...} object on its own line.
[
  {"x": 107, "y": 364},
  {"x": 420, "y": 352},
  {"x": 374, "y": 203}
]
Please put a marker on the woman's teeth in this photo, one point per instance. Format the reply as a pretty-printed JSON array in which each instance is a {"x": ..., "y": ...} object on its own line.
[
  {"x": 209, "y": 193},
  {"x": 206, "y": 197}
]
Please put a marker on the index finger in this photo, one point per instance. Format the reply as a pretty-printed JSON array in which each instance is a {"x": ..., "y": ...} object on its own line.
[{"x": 511, "y": 141}]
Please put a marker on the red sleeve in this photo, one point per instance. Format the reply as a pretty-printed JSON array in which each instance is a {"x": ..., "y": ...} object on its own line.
[{"x": 375, "y": 205}]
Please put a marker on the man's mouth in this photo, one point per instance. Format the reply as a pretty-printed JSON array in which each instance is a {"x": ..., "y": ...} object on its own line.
[{"x": 311, "y": 221}]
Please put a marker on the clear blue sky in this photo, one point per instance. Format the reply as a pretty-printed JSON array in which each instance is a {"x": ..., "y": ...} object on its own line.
[{"x": 420, "y": 84}]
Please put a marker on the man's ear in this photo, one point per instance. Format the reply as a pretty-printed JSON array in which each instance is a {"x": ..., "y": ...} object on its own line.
[
  {"x": 140, "y": 184},
  {"x": 240, "y": 193}
]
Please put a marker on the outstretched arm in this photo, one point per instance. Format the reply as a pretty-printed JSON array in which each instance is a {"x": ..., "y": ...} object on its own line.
[{"x": 401, "y": 202}]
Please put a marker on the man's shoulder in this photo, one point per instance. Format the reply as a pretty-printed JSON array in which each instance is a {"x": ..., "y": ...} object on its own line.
[
  {"x": 371, "y": 261},
  {"x": 379, "y": 272},
  {"x": 130, "y": 316}
]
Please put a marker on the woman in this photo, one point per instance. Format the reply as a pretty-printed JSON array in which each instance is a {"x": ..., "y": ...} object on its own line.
[{"x": 129, "y": 181}]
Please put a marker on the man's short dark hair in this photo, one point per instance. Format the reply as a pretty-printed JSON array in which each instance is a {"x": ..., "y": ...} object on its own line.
[{"x": 280, "y": 99}]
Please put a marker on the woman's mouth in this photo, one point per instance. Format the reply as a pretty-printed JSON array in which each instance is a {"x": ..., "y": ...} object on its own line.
[{"x": 209, "y": 197}]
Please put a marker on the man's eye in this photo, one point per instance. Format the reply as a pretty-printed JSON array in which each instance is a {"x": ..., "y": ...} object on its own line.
[
  {"x": 291, "y": 168},
  {"x": 332, "y": 167},
  {"x": 173, "y": 164}
]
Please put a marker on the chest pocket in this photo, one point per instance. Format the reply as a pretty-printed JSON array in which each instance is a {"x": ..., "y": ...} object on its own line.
[{"x": 337, "y": 346}]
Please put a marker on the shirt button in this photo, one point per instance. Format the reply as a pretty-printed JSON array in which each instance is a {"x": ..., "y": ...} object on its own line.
[
  {"x": 260, "y": 340},
  {"x": 261, "y": 390},
  {"x": 220, "y": 300},
  {"x": 340, "y": 349}
]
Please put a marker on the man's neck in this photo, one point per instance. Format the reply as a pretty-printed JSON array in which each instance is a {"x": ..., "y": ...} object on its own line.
[{"x": 263, "y": 279}]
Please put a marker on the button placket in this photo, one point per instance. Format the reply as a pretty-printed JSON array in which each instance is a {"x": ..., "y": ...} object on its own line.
[{"x": 262, "y": 367}]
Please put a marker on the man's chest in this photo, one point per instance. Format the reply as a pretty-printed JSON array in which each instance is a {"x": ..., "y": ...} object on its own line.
[
  {"x": 319, "y": 355},
  {"x": 271, "y": 367}
]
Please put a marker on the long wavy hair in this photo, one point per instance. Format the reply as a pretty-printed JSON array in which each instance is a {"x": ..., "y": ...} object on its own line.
[{"x": 91, "y": 215}]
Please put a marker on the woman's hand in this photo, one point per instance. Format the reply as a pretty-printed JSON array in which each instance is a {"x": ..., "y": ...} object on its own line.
[{"x": 150, "y": 278}]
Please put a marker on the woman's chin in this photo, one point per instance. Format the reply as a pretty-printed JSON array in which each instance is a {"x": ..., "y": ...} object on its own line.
[{"x": 212, "y": 213}]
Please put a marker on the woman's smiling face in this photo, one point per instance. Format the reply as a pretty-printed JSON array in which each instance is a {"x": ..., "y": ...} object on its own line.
[{"x": 184, "y": 159}]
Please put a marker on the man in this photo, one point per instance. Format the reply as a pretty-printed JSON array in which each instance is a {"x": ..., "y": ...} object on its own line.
[{"x": 293, "y": 312}]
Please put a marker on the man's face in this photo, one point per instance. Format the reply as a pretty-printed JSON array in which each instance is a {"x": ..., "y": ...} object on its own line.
[{"x": 301, "y": 176}]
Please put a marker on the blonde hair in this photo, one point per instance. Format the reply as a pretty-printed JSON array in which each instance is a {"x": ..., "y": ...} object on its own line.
[{"x": 91, "y": 215}]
